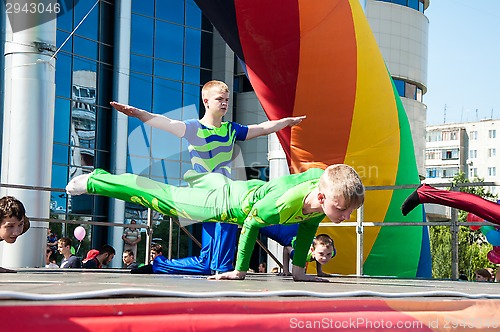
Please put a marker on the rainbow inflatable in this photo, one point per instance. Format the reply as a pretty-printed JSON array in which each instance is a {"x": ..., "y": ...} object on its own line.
[{"x": 320, "y": 59}]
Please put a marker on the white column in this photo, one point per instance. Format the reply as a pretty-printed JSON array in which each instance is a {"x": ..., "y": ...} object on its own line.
[
  {"x": 28, "y": 131},
  {"x": 278, "y": 166},
  {"x": 123, "y": 14}
]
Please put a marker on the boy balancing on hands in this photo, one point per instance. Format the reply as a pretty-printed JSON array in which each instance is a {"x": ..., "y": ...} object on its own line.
[
  {"x": 304, "y": 198},
  {"x": 13, "y": 221},
  {"x": 211, "y": 143}
]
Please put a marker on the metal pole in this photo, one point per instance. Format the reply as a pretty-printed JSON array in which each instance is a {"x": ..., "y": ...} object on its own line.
[
  {"x": 278, "y": 166},
  {"x": 454, "y": 229},
  {"x": 170, "y": 226},
  {"x": 359, "y": 241},
  {"x": 149, "y": 236},
  {"x": 28, "y": 128}
]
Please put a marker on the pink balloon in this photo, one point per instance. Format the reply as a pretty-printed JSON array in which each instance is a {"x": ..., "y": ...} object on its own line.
[
  {"x": 494, "y": 257},
  {"x": 79, "y": 233}
]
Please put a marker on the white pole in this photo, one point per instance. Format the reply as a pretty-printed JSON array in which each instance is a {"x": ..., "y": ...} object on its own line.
[
  {"x": 278, "y": 166},
  {"x": 123, "y": 14},
  {"x": 28, "y": 129}
]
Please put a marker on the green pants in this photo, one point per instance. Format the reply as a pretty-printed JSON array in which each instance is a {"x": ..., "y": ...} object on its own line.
[{"x": 225, "y": 203}]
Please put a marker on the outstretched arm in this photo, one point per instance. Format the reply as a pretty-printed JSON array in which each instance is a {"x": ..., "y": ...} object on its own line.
[
  {"x": 176, "y": 127},
  {"x": 269, "y": 127}
]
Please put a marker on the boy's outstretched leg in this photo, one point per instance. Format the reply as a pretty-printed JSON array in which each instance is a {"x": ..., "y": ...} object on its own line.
[
  {"x": 483, "y": 208},
  {"x": 411, "y": 202}
]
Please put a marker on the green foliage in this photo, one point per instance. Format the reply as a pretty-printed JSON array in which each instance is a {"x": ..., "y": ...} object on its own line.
[{"x": 472, "y": 247}]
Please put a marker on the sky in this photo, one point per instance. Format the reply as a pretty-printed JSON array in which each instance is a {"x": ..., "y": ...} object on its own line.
[{"x": 464, "y": 61}]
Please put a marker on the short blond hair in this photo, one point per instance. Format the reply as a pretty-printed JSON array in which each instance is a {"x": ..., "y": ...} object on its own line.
[
  {"x": 210, "y": 86},
  {"x": 341, "y": 180},
  {"x": 323, "y": 239}
]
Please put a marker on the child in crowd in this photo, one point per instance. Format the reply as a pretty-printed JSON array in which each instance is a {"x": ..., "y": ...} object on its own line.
[
  {"x": 13, "y": 221},
  {"x": 304, "y": 198},
  {"x": 322, "y": 249}
]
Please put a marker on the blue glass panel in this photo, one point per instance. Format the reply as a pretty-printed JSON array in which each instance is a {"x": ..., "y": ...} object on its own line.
[
  {"x": 192, "y": 97},
  {"x": 90, "y": 25},
  {"x": 171, "y": 10},
  {"x": 159, "y": 170},
  {"x": 61, "y": 121},
  {"x": 193, "y": 14},
  {"x": 413, "y": 4},
  {"x": 85, "y": 47},
  {"x": 192, "y": 54},
  {"x": 191, "y": 74},
  {"x": 168, "y": 69},
  {"x": 63, "y": 75},
  {"x": 60, "y": 154},
  {"x": 59, "y": 180},
  {"x": 145, "y": 7},
  {"x": 169, "y": 41},
  {"x": 141, "y": 64},
  {"x": 399, "y": 2},
  {"x": 61, "y": 38},
  {"x": 421, "y": 6},
  {"x": 65, "y": 20},
  {"x": 142, "y": 35},
  {"x": 164, "y": 144},
  {"x": 139, "y": 139},
  {"x": 137, "y": 165},
  {"x": 141, "y": 89},
  {"x": 167, "y": 96},
  {"x": 400, "y": 86}
]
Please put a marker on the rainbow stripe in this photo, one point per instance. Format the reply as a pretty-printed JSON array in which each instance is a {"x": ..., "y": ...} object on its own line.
[{"x": 320, "y": 59}]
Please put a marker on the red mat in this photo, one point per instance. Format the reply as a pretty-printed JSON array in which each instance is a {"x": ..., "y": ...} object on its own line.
[{"x": 254, "y": 315}]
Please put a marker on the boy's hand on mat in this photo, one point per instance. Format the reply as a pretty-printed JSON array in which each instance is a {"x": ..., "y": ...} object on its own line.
[
  {"x": 232, "y": 275},
  {"x": 299, "y": 274}
]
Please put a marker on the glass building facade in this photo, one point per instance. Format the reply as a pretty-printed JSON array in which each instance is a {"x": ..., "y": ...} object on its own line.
[{"x": 170, "y": 59}]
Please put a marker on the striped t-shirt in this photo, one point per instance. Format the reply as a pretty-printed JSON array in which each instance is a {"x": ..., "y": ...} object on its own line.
[{"x": 211, "y": 149}]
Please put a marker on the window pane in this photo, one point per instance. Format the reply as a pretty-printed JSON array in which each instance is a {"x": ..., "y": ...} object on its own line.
[
  {"x": 63, "y": 75},
  {"x": 60, "y": 154},
  {"x": 85, "y": 47},
  {"x": 141, "y": 88},
  {"x": 193, "y": 14},
  {"x": 169, "y": 41},
  {"x": 90, "y": 25},
  {"x": 168, "y": 69},
  {"x": 59, "y": 180},
  {"x": 167, "y": 95},
  {"x": 145, "y": 7},
  {"x": 61, "y": 121},
  {"x": 192, "y": 74},
  {"x": 192, "y": 54},
  {"x": 400, "y": 86},
  {"x": 171, "y": 10},
  {"x": 141, "y": 40},
  {"x": 141, "y": 64}
]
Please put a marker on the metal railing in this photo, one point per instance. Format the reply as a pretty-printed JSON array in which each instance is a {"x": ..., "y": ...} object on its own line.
[{"x": 359, "y": 224}]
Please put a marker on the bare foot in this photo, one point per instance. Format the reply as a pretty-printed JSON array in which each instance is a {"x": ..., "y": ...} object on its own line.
[{"x": 78, "y": 185}]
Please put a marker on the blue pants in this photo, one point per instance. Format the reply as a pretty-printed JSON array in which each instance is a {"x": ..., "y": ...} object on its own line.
[{"x": 218, "y": 241}]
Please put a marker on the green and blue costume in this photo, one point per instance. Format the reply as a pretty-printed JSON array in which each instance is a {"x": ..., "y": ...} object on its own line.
[
  {"x": 252, "y": 204},
  {"x": 211, "y": 151}
]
